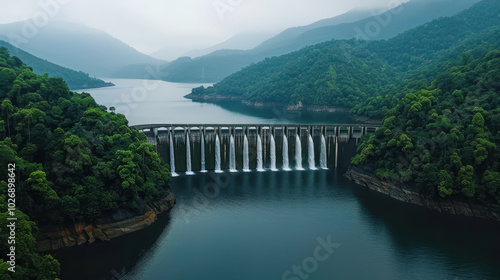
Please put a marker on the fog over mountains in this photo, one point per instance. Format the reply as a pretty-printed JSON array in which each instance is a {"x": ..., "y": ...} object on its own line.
[
  {"x": 217, "y": 65},
  {"x": 77, "y": 47},
  {"x": 74, "y": 79},
  {"x": 86, "y": 49}
]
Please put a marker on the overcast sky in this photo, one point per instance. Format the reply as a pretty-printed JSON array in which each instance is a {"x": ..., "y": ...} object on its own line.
[{"x": 149, "y": 25}]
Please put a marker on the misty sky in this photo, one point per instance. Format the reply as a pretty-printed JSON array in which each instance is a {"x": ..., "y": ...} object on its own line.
[{"x": 149, "y": 25}]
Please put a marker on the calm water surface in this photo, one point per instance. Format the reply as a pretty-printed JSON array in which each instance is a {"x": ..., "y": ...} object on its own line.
[
  {"x": 259, "y": 225},
  {"x": 147, "y": 102}
]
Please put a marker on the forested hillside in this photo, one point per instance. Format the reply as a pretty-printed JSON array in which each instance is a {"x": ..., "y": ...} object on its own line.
[
  {"x": 74, "y": 161},
  {"x": 348, "y": 73},
  {"x": 74, "y": 79},
  {"x": 470, "y": 48},
  {"x": 218, "y": 65},
  {"x": 324, "y": 74},
  {"x": 444, "y": 138}
]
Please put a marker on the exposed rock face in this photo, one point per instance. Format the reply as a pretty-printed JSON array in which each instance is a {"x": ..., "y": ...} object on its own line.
[
  {"x": 108, "y": 227},
  {"x": 366, "y": 177}
]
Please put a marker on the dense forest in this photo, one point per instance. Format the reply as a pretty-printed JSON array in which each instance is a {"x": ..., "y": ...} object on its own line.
[
  {"x": 362, "y": 73},
  {"x": 74, "y": 79},
  {"x": 74, "y": 161},
  {"x": 444, "y": 138},
  {"x": 345, "y": 84}
]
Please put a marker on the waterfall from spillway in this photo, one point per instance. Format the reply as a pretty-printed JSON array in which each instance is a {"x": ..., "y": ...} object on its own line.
[
  {"x": 217, "y": 155},
  {"x": 259, "y": 154},
  {"x": 323, "y": 161},
  {"x": 232, "y": 155},
  {"x": 273, "y": 154},
  {"x": 286, "y": 163},
  {"x": 189, "y": 170},
  {"x": 246, "y": 164},
  {"x": 298, "y": 153},
  {"x": 172, "y": 155},
  {"x": 202, "y": 148},
  {"x": 310, "y": 151}
]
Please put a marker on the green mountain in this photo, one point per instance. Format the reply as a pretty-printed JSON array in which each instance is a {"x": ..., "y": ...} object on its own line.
[
  {"x": 348, "y": 73},
  {"x": 74, "y": 79},
  {"x": 79, "y": 47},
  {"x": 374, "y": 26},
  {"x": 323, "y": 74},
  {"x": 444, "y": 139},
  {"x": 355, "y": 24},
  {"x": 70, "y": 161}
]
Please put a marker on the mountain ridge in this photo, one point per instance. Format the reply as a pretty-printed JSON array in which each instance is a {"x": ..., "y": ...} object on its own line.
[
  {"x": 74, "y": 79},
  {"x": 335, "y": 73},
  {"x": 210, "y": 69},
  {"x": 77, "y": 46}
]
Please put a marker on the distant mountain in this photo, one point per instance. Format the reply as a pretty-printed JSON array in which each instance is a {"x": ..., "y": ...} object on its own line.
[
  {"x": 74, "y": 79},
  {"x": 240, "y": 41},
  {"x": 383, "y": 26},
  {"x": 291, "y": 33},
  {"x": 77, "y": 47},
  {"x": 350, "y": 72},
  {"x": 214, "y": 67},
  {"x": 173, "y": 51}
]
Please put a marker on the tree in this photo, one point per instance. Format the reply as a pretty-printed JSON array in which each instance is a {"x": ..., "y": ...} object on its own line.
[
  {"x": 7, "y": 110},
  {"x": 478, "y": 120},
  {"x": 466, "y": 180},
  {"x": 445, "y": 185},
  {"x": 491, "y": 181},
  {"x": 127, "y": 169},
  {"x": 28, "y": 116},
  {"x": 42, "y": 193}
]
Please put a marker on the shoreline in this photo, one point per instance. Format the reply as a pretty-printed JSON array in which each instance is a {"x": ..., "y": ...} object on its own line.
[
  {"x": 118, "y": 223},
  {"x": 364, "y": 176},
  {"x": 259, "y": 104}
]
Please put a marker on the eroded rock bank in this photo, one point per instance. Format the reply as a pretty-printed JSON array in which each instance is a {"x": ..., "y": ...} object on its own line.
[
  {"x": 120, "y": 222},
  {"x": 403, "y": 192}
]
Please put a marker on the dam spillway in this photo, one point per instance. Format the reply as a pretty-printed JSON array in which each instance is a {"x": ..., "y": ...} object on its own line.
[{"x": 200, "y": 147}]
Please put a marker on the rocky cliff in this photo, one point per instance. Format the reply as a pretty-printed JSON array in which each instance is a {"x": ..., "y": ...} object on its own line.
[
  {"x": 366, "y": 177},
  {"x": 112, "y": 225}
]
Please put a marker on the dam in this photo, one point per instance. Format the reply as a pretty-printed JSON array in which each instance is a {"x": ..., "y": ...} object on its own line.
[{"x": 190, "y": 148}]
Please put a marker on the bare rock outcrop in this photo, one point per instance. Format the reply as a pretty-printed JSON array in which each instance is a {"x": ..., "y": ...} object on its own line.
[
  {"x": 366, "y": 177},
  {"x": 120, "y": 222}
]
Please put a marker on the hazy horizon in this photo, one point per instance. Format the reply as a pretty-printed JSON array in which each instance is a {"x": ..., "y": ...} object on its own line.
[{"x": 151, "y": 25}]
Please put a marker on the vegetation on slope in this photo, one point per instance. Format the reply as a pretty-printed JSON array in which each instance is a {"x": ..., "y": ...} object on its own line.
[
  {"x": 324, "y": 74},
  {"x": 74, "y": 79},
  {"x": 74, "y": 160},
  {"x": 361, "y": 69},
  {"x": 444, "y": 138}
]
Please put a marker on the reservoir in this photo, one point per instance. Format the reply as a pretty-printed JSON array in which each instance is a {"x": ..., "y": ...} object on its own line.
[{"x": 310, "y": 224}]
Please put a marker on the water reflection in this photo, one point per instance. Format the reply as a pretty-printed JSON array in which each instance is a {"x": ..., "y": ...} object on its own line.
[
  {"x": 114, "y": 259},
  {"x": 278, "y": 114},
  {"x": 256, "y": 225},
  {"x": 464, "y": 245}
]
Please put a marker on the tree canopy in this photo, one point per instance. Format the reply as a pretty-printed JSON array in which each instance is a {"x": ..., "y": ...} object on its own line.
[
  {"x": 444, "y": 138},
  {"x": 75, "y": 161}
]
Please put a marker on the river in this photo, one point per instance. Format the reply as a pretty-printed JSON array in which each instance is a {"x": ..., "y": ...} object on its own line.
[{"x": 278, "y": 225}]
